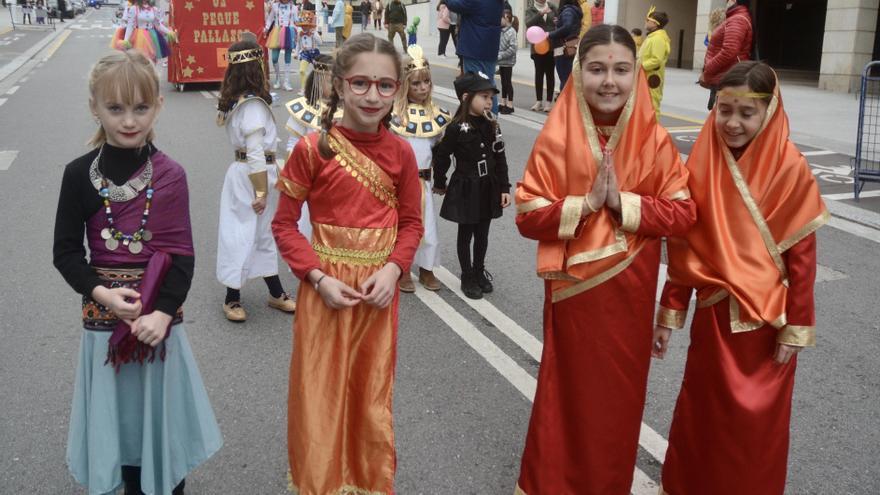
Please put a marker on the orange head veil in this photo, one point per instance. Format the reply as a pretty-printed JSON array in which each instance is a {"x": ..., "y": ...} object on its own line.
[
  {"x": 750, "y": 211},
  {"x": 562, "y": 166}
]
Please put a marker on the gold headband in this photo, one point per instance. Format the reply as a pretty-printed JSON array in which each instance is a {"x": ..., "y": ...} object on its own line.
[
  {"x": 243, "y": 56},
  {"x": 417, "y": 59},
  {"x": 744, "y": 94},
  {"x": 650, "y": 17}
]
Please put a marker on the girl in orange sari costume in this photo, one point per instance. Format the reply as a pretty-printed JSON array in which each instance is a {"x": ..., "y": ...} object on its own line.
[
  {"x": 751, "y": 257},
  {"x": 364, "y": 195},
  {"x": 603, "y": 184}
]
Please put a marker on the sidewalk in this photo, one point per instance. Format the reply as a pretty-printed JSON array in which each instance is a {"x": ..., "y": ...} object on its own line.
[{"x": 819, "y": 118}]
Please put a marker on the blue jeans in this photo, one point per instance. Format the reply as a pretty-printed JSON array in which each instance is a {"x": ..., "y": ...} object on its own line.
[
  {"x": 563, "y": 69},
  {"x": 486, "y": 67}
]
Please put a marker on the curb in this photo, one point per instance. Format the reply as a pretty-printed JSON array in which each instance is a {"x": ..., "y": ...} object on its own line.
[{"x": 31, "y": 52}]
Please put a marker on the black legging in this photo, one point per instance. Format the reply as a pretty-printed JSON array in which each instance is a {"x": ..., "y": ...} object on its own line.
[
  {"x": 377, "y": 20},
  {"x": 506, "y": 83},
  {"x": 131, "y": 476},
  {"x": 545, "y": 68},
  {"x": 444, "y": 40},
  {"x": 479, "y": 232},
  {"x": 273, "y": 283}
]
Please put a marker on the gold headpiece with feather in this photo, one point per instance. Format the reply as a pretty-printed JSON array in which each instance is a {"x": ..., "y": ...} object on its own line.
[{"x": 417, "y": 59}]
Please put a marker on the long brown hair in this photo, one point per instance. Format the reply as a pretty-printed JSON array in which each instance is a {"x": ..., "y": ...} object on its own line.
[
  {"x": 243, "y": 79},
  {"x": 127, "y": 75},
  {"x": 758, "y": 76},
  {"x": 402, "y": 101},
  {"x": 345, "y": 60}
]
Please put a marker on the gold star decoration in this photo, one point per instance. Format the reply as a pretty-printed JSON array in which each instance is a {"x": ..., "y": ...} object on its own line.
[
  {"x": 249, "y": 5},
  {"x": 187, "y": 72},
  {"x": 191, "y": 59},
  {"x": 200, "y": 69},
  {"x": 188, "y": 6}
]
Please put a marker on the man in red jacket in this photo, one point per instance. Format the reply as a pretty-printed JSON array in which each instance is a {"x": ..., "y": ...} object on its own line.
[{"x": 730, "y": 43}]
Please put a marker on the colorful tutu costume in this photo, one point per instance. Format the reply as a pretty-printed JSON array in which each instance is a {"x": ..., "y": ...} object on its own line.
[
  {"x": 146, "y": 31},
  {"x": 307, "y": 43},
  {"x": 282, "y": 33}
]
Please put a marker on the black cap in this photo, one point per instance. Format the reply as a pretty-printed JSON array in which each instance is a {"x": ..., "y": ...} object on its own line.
[{"x": 473, "y": 82}]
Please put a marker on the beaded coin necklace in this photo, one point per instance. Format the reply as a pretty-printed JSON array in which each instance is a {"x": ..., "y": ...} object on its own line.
[{"x": 128, "y": 191}]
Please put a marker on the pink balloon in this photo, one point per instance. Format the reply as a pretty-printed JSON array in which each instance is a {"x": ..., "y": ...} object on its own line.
[{"x": 535, "y": 34}]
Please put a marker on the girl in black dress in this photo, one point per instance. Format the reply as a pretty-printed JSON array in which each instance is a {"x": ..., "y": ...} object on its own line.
[{"x": 479, "y": 187}]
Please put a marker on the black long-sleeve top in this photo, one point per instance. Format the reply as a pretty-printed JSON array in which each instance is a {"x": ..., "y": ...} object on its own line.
[{"x": 79, "y": 200}]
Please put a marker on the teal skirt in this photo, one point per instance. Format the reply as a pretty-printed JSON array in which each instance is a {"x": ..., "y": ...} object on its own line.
[{"x": 153, "y": 415}]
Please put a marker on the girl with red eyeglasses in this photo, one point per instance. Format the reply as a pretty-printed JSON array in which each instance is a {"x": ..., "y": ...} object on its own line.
[{"x": 362, "y": 187}]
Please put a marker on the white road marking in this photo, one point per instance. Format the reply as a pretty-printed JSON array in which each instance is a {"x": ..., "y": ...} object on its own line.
[
  {"x": 650, "y": 440},
  {"x": 502, "y": 322},
  {"x": 12, "y": 90},
  {"x": 23, "y": 79},
  {"x": 207, "y": 95},
  {"x": 818, "y": 153},
  {"x": 683, "y": 131},
  {"x": 505, "y": 365},
  {"x": 2, "y": 101},
  {"x": 6, "y": 159},
  {"x": 849, "y": 195},
  {"x": 518, "y": 377},
  {"x": 643, "y": 485},
  {"x": 855, "y": 229}
]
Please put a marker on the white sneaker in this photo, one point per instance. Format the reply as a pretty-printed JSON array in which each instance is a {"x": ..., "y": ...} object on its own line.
[
  {"x": 548, "y": 106},
  {"x": 277, "y": 84},
  {"x": 537, "y": 106},
  {"x": 287, "y": 86}
]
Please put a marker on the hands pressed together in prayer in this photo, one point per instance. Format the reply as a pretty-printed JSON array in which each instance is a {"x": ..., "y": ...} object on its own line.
[
  {"x": 606, "y": 191},
  {"x": 126, "y": 305},
  {"x": 378, "y": 290}
]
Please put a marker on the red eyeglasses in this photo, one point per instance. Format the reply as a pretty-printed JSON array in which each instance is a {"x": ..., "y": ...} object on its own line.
[{"x": 385, "y": 86}]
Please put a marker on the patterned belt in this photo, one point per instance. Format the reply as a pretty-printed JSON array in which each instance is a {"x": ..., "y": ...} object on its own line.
[
  {"x": 345, "y": 256},
  {"x": 425, "y": 174},
  {"x": 97, "y": 316},
  {"x": 241, "y": 156}
]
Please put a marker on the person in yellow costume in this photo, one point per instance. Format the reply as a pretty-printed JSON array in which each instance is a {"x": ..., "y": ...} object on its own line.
[
  {"x": 654, "y": 54},
  {"x": 349, "y": 13}
]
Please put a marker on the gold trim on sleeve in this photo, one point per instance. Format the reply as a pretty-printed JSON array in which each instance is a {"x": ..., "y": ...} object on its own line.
[
  {"x": 630, "y": 211},
  {"x": 588, "y": 284},
  {"x": 571, "y": 216},
  {"x": 804, "y": 231},
  {"x": 291, "y": 188},
  {"x": 671, "y": 318},
  {"x": 535, "y": 204},
  {"x": 260, "y": 181},
  {"x": 797, "y": 335}
]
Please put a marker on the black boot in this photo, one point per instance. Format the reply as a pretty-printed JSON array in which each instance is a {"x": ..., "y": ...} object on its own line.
[
  {"x": 131, "y": 478},
  {"x": 470, "y": 286},
  {"x": 484, "y": 280}
]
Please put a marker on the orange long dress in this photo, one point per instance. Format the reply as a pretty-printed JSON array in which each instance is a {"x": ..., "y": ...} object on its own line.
[
  {"x": 365, "y": 212},
  {"x": 600, "y": 280},
  {"x": 751, "y": 257}
]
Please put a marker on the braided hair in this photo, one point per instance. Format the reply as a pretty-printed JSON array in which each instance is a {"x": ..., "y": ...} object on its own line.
[{"x": 345, "y": 60}]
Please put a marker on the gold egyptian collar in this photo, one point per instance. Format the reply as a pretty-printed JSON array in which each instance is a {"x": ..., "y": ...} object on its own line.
[
  {"x": 223, "y": 117},
  {"x": 309, "y": 116},
  {"x": 422, "y": 121}
]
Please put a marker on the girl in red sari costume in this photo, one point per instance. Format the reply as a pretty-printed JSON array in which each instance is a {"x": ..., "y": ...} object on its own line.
[
  {"x": 751, "y": 257},
  {"x": 362, "y": 186},
  {"x": 598, "y": 215}
]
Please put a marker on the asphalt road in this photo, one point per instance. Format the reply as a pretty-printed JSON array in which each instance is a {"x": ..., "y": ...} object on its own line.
[{"x": 462, "y": 388}]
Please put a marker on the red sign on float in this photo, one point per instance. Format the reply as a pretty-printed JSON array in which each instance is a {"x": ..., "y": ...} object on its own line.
[{"x": 205, "y": 29}]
